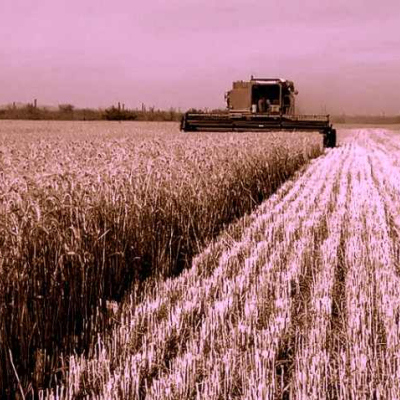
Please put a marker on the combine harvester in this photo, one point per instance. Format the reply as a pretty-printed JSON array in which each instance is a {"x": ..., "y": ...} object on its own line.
[{"x": 260, "y": 105}]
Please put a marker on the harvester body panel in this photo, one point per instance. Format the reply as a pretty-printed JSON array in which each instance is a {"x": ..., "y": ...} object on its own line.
[{"x": 239, "y": 97}]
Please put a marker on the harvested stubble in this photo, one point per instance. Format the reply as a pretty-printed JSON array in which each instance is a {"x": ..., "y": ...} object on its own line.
[
  {"x": 300, "y": 300},
  {"x": 85, "y": 210}
]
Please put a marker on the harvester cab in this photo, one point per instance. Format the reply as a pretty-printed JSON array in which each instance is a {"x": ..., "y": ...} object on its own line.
[
  {"x": 259, "y": 95},
  {"x": 261, "y": 104}
]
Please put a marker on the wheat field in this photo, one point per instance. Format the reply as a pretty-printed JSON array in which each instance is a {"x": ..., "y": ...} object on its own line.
[
  {"x": 90, "y": 213},
  {"x": 298, "y": 298}
]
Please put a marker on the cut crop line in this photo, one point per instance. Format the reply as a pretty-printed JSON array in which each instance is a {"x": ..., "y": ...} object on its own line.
[{"x": 313, "y": 360}]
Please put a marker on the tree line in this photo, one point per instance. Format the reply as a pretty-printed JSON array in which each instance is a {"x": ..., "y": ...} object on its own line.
[{"x": 67, "y": 112}]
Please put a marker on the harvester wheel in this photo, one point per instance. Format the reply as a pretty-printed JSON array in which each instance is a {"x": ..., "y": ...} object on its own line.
[
  {"x": 325, "y": 136},
  {"x": 183, "y": 123},
  {"x": 330, "y": 138}
]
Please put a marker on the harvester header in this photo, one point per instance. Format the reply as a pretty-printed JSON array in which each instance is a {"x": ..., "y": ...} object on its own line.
[{"x": 260, "y": 104}]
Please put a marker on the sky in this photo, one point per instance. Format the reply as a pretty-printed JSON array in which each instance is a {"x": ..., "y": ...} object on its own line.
[{"x": 343, "y": 55}]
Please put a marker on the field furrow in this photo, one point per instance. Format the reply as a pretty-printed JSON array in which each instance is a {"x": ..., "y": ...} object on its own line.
[
  {"x": 313, "y": 364},
  {"x": 384, "y": 247},
  {"x": 358, "y": 361}
]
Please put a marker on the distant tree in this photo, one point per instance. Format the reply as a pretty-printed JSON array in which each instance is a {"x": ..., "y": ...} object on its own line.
[
  {"x": 117, "y": 114},
  {"x": 31, "y": 112},
  {"x": 66, "y": 108},
  {"x": 172, "y": 114}
]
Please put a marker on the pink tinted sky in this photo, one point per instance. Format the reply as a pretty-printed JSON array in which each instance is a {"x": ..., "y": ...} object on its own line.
[{"x": 344, "y": 55}]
